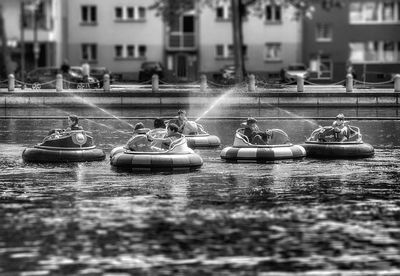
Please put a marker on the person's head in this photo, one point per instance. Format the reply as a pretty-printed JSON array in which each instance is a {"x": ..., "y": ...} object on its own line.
[
  {"x": 340, "y": 117},
  {"x": 73, "y": 120},
  {"x": 139, "y": 129},
  {"x": 251, "y": 122},
  {"x": 138, "y": 126},
  {"x": 172, "y": 128},
  {"x": 182, "y": 114},
  {"x": 159, "y": 123}
]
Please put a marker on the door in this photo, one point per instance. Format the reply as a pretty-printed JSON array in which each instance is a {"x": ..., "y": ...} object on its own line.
[{"x": 182, "y": 66}]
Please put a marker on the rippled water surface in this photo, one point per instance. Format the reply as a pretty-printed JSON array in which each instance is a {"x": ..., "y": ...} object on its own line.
[{"x": 303, "y": 217}]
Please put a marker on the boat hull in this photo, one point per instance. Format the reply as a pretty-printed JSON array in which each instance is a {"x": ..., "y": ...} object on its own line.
[
  {"x": 262, "y": 154},
  {"x": 58, "y": 155},
  {"x": 338, "y": 150},
  {"x": 203, "y": 141},
  {"x": 154, "y": 161}
]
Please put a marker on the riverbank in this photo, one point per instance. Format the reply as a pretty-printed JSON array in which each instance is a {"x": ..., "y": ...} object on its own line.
[{"x": 191, "y": 96}]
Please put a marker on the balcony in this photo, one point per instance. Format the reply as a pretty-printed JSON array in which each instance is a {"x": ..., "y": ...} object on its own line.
[{"x": 181, "y": 41}]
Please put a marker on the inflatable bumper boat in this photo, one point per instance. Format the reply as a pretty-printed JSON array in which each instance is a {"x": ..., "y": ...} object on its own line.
[
  {"x": 178, "y": 158},
  {"x": 71, "y": 146},
  {"x": 324, "y": 143},
  {"x": 203, "y": 141},
  {"x": 277, "y": 148}
]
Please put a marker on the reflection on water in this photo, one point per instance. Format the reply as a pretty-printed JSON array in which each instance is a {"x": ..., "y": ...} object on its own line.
[{"x": 284, "y": 217}]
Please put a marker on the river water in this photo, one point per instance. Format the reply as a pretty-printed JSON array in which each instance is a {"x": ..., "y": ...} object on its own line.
[{"x": 302, "y": 217}]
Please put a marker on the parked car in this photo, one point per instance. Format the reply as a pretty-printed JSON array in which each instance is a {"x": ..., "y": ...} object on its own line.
[
  {"x": 226, "y": 75},
  {"x": 149, "y": 68},
  {"x": 290, "y": 73},
  {"x": 46, "y": 76},
  {"x": 99, "y": 72},
  {"x": 42, "y": 76},
  {"x": 76, "y": 76}
]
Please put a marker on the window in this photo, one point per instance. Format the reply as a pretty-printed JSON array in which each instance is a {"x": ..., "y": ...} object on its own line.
[
  {"x": 118, "y": 12},
  {"x": 142, "y": 13},
  {"x": 227, "y": 51},
  {"x": 321, "y": 66},
  {"x": 273, "y": 13},
  {"x": 182, "y": 32},
  {"x": 323, "y": 32},
  {"x": 135, "y": 13},
  {"x": 89, "y": 14},
  {"x": 219, "y": 50},
  {"x": 188, "y": 24},
  {"x": 89, "y": 52},
  {"x": 375, "y": 52},
  {"x": 367, "y": 12},
  {"x": 272, "y": 51},
  {"x": 130, "y": 51},
  {"x": 130, "y": 13},
  {"x": 43, "y": 19},
  {"x": 230, "y": 50},
  {"x": 118, "y": 51},
  {"x": 223, "y": 12},
  {"x": 142, "y": 51}
]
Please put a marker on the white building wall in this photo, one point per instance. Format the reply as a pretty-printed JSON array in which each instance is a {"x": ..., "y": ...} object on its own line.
[
  {"x": 108, "y": 33},
  {"x": 256, "y": 34}
]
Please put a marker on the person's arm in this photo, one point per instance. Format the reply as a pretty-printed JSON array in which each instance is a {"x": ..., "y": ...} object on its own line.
[{"x": 200, "y": 129}]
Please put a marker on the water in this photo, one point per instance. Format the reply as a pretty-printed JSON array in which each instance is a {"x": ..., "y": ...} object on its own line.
[
  {"x": 305, "y": 216},
  {"x": 215, "y": 103}
]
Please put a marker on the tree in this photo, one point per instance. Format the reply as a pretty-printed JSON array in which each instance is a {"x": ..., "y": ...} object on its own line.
[{"x": 170, "y": 9}]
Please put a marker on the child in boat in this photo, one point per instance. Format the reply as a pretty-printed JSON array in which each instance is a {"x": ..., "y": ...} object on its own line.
[
  {"x": 159, "y": 131},
  {"x": 180, "y": 120},
  {"x": 172, "y": 136},
  {"x": 340, "y": 128},
  {"x": 192, "y": 128},
  {"x": 139, "y": 140},
  {"x": 253, "y": 133},
  {"x": 73, "y": 123}
]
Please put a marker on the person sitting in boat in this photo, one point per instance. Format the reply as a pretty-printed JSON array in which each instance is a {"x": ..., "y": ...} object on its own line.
[
  {"x": 139, "y": 140},
  {"x": 253, "y": 133},
  {"x": 180, "y": 120},
  {"x": 159, "y": 125},
  {"x": 159, "y": 131},
  {"x": 72, "y": 125},
  {"x": 168, "y": 141},
  {"x": 193, "y": 128},
  {"x": 340, "y": 128}
]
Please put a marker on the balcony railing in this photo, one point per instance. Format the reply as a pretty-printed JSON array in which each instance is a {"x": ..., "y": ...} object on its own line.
[{"x": 182, "y": 41}]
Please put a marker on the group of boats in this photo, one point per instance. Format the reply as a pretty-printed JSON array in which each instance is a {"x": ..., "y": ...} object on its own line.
[{"x": 78, "y": 146}]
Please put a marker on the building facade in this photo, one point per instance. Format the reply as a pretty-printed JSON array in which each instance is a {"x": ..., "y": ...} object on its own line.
[
  {"x": 33, "y": 32},
  {"x": 271, "y": 37},
  {"x": 118, "y": 34},
  {"x": 123, "y": 34},
  {"x": 362, "y": 37}
]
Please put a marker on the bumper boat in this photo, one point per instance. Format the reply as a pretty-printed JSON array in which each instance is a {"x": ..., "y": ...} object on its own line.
[
  {"x": 178, "y": 158},
  {"x": 203, "y": 141},
  {"x": 323, "y": 143},
  {"x": 71, "y": 146},
  {"x": 277, "y": 148}
]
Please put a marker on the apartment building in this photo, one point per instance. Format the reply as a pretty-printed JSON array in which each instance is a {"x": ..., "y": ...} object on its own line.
[
  {"x": 364, "y": 35},
  {"x": 118, "y": 34},
  {"x": 35, "y": 29},
  {"x": 122, "y": 34},
  {"x": 272, "y": 39}
]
